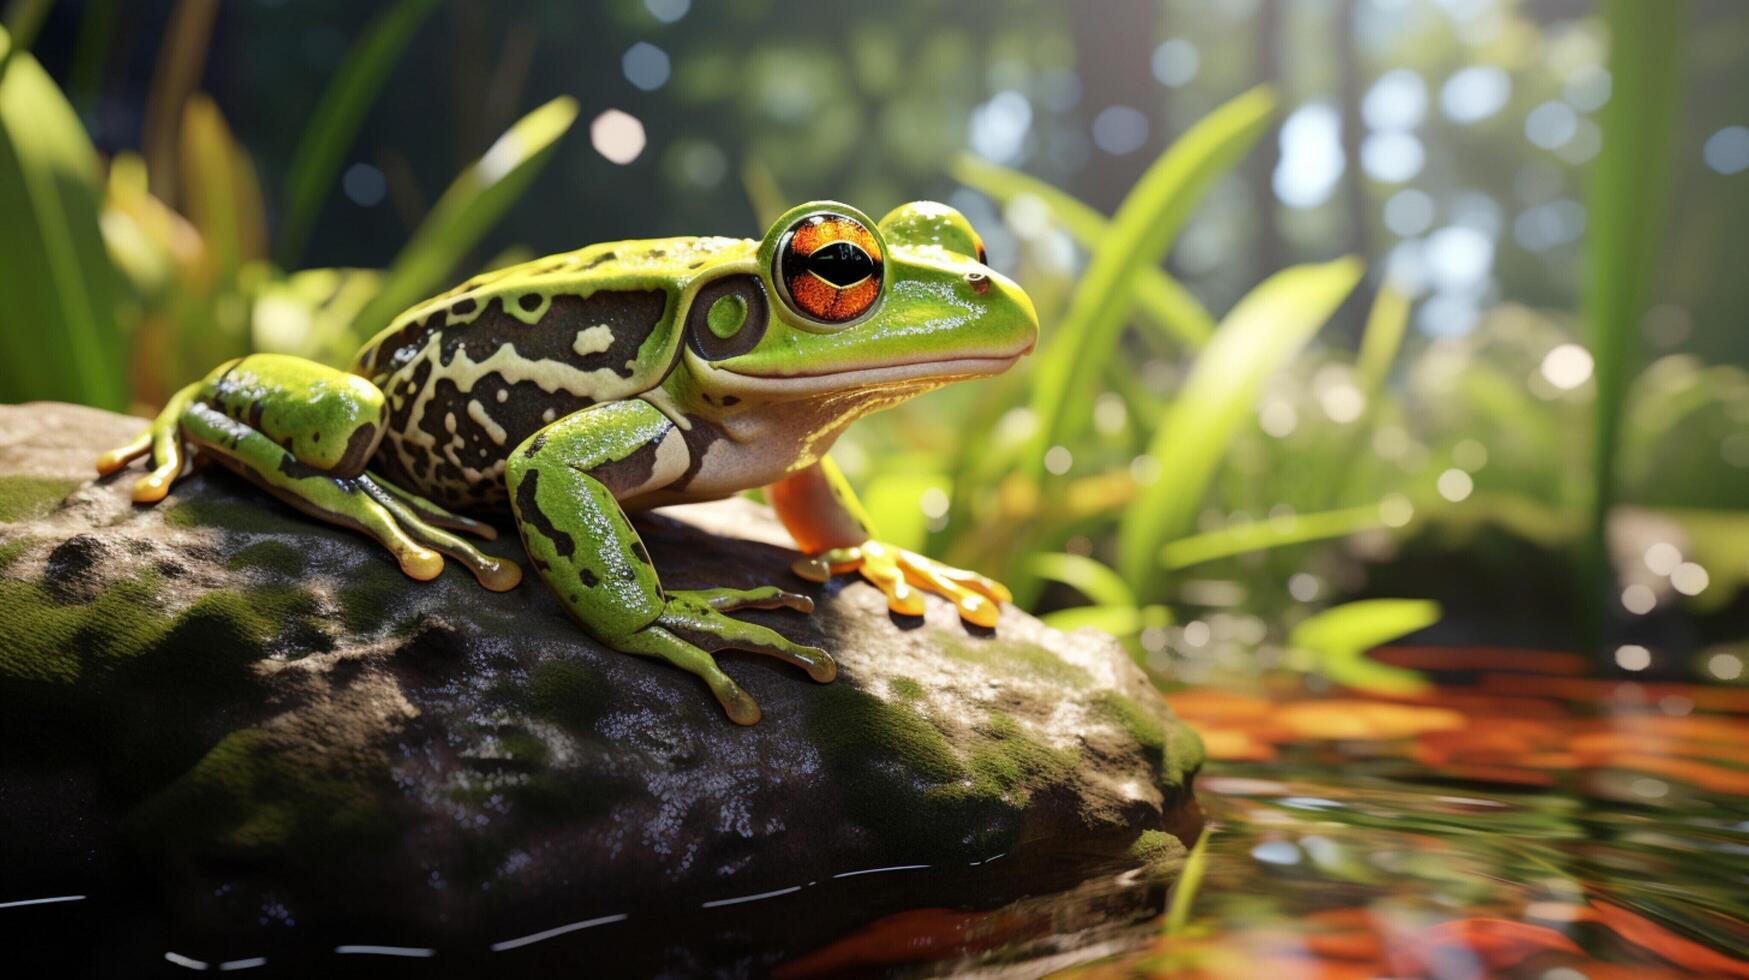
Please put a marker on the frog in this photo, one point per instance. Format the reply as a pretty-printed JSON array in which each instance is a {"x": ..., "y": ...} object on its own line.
[{"x": 567, "y": 393}]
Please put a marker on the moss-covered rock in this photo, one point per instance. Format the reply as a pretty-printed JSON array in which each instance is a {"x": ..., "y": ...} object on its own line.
[{"x": 229, "y": 719}]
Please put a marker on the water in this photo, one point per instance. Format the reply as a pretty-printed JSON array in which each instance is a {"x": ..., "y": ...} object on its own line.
[{"x": 1516, "y": 820}]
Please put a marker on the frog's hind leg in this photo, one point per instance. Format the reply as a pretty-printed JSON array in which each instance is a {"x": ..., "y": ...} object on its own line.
[
  {"x": 354, "y": 502},
  {"x": 163, "y": 439},
  {"x": 434, "y": 515}
]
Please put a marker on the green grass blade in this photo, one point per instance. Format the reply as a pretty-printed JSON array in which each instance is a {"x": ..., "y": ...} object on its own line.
[
  {"x": 1093, "y": 579},
  {"x": 58, "y": 334},
  {"x": 1189, "y": 883},
  {"x": 1163, "y": 302},
  {"x": 23, "y": 19},
  {"x": 1383, "y": 337},
  {"x": 1625, "y": 208},
  {"x": 1240, "y": 539},
  {"x": 1265, "y": 331},
  {"x": 334, "y": 124},
  {"x": 1119, "y": 621},
  {"x": 1139, "y": 234},
  {"x": 471, "y": 205},
  {"x": 1341, "y": 635}
]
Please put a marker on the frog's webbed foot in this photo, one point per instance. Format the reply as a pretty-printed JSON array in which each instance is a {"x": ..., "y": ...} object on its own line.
[
  {"x": 693, "y": 627},
  {"x": 900, "y": 574},
  {"x": 163, "y": 440}
]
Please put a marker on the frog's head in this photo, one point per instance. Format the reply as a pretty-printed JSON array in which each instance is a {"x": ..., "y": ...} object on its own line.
[{"x": 841, "y": 304}]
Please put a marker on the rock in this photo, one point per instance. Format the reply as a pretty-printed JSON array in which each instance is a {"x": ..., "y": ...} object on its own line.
[{"x": 241, "y": 733}]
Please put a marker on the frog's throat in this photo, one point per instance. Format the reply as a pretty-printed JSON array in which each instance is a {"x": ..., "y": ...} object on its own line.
[{"x": 804, "y": 383}]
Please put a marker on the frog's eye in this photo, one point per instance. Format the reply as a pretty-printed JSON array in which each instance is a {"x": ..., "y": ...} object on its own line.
[{"x": 829, "y": 267}]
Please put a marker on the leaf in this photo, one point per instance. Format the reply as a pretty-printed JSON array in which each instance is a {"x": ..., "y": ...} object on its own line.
[
  {"x": 1261, "y": 334},
  {"x": 1189, "y": 883},
  {"x": 58, "y": 334},
  {"x": 1341, "y": 635},
  {"x": 335, "y": 123},
  {"x": 1165, "y": 303},
  {"x": 1091, "y": 578},
  {"x": 220, "y": 193},
  {"x": 1141, "y": 231},
  {"x": 471, "y": 205},
  {"x": 1622, "y": 243},
  {"x": 1381, "y": 340},
  {"x": 1237, "y": 539},
  {"x": 1117, "y": 620}
]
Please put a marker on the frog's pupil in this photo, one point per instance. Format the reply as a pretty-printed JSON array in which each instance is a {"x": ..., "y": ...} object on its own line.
[{"x": 841, "y": 264}]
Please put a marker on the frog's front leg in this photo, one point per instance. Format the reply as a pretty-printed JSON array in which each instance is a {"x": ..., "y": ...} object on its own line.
[
  {"x": 305, "y": 432},
  {"x": 565, "y": 484},
  {"x": 833, "y": 531}
]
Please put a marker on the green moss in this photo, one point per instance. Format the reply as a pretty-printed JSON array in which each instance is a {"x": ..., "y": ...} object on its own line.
[
  {"x": 1007, "y": 761},
  {"x": 11, "y": 550},
  {"x": 25, "y": 497},
  {"x": 269, "y": 554},
  {"x": 238, "y": 513},
  {"x": 364, "y": 602},
  {"x": 905, "y": 689},
  {"x": 1003, "y": 655},
  {"x": 1159, "y": 852},
  {"x": 1174, "y": 748},
  {"x": 249, "y": 794},
  {"x": 50, "y": 643},
  {"x": 567, "y": 693},
  {"x": 849, "y": 725}
]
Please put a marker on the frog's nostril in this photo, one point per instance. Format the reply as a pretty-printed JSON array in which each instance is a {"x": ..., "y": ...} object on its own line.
[{"x": 979, "y": 282}]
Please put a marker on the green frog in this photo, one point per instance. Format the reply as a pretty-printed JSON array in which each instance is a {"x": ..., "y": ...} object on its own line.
[{"x": 627, "y": 375}]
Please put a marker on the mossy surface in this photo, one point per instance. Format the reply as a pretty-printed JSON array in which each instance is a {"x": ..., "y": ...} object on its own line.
[
  {"x": 1010, "y": 656},
  {"x": 270, "y": 555},
  {"x": 25, "y": 497},
  {"x": 1174, "y": 749},
  {"x": 1159, "y": 852},
  {"x": 233, "y": 513}
]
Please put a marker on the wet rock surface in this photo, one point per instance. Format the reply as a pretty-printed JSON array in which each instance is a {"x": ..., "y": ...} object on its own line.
[{"x": 240, "y": 733}]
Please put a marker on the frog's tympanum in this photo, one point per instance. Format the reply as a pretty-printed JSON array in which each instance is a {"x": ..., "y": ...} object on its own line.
[{"x": 624, "y": 376}]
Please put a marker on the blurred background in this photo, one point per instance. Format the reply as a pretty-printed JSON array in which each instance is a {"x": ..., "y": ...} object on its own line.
[{"x": 1360, "y": 317}]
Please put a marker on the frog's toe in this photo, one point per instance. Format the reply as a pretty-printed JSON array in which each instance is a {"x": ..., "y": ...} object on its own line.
[
  {"x": 692, "y": 616},
  {"x": 119, "y": 457},
  {"x": 765, "y": 597},
  {"x": 903, "y": 576}
]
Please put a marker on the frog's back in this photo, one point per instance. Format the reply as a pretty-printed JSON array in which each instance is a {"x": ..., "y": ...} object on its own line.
[{"x": 472, "y": 373}]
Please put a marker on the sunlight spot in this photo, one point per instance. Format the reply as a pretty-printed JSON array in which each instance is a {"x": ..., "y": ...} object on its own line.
[
  {"x": 667, "y": 11},
  {"x": 645, "y": 66},
  {"x": 933, "y": 502},
  {"x": 1196, "y": 633},
  {"x": 1455, "y": 485},
  {"x": 617, "y": 135},
  {"x": 1016, "y": 425},
  {"x": 1058, "y": 459},
  {"x": 1473, "y": 94},
  {"x": 1120, "y": 129},
  {"x": 1342, "y": 402},
  {"x": 1650, "y": 788},
  {"x": 997, "y": 130},
  {"x": 1638, "y": 599},
  {"x": 1109, "y": 413},
  {"x": 1633, "y": 657},
  {"x": 1551, "y": 125},
  {"x": 1409, "y": 213},
  {"x": 1725, "y": 666},
  {"x": 1676, "y": 704},
  {"x": 1153, "y": 639},
  {"x": 1469, "y": 455},
  {"x": 1689, "y": 578},
  {"x": 1278, "y": 418},
  {"x": 1395, "y": 510},
  {"x": 1588, "y": 88},
  {"x": 364, "y": 185},
  {"x": 1175, "y": 62},
  {"x": 1397, "y": 101},
  {"x": 1303, "y": 586},
  {"x": 1727, "y": 151},
  {"x": 1311, "y": 156},
  {"x": 1662, "y": 558},
  {"x": 1567, "y": 366},
  {"x": 1277, "y": 852}
]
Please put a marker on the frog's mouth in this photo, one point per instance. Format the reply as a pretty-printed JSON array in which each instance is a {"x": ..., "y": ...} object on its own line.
[{"x": 900, "y": 373}]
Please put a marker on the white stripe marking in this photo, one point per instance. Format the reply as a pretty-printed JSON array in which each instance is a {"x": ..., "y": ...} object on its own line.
[
  {"x": 413, "y": 951},
  {"x": 751, "y": 898},
  {"x": 186, "y": 961},
  {"x": 557, "y": 931},
  {"x": 42, "y": 901},
  {"x": 876, "y": 871},
  {"x": 248, "y": 964}
]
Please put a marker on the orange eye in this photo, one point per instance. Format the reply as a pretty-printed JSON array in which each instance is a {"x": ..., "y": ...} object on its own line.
[{"x": 830, "y": 267}]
